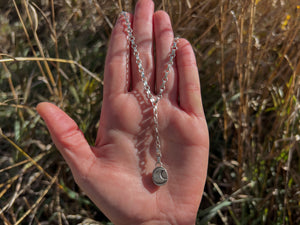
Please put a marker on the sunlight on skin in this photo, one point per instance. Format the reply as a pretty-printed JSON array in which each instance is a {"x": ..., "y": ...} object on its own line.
[{"x": 116, "y": 172}]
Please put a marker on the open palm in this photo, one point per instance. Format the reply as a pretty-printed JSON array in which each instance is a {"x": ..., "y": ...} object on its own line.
[{"x": 116, "y": 173}]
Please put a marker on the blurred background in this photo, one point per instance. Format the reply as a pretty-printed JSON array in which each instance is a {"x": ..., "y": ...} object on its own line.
[{"x": 248, "y": 59}]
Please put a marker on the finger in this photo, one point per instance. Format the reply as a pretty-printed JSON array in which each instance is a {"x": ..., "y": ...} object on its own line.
[
  {"x": 116, "y": 73},
  {"x": 189, "y": 84},
  {"x": 67, "y": 137},
  {"x": 164, "y": 37},
  {"x": 143, "y": 32}
]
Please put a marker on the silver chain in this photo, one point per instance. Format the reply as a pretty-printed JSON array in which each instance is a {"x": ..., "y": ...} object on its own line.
[{"x": 152, "y": 98}]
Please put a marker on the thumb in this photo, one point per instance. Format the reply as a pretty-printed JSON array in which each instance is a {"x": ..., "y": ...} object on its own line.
[{"x": 67, "y": 137}]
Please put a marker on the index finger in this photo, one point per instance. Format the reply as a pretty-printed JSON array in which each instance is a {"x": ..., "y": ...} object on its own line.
[{"x": 116, "y": 72}]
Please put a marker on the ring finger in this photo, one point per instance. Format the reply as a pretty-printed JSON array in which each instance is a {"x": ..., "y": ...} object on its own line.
[{"x": 164, "y": 37}]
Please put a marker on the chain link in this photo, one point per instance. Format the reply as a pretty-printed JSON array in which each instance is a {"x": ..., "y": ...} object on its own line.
[{"x": 152, "y": 99}]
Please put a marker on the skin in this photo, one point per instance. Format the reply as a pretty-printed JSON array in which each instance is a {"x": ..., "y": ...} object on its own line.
[{"x": 116, "y": 172}]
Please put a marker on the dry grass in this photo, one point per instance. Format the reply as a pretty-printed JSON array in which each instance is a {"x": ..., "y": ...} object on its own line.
[{"x": 248, "y": 60}]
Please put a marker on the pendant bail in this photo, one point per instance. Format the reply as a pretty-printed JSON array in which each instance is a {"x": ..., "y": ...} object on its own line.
[{"x": 158, "y": 161}]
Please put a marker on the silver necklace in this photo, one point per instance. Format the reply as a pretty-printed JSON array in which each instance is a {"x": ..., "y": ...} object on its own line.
[{"x": 159, "y": 174}]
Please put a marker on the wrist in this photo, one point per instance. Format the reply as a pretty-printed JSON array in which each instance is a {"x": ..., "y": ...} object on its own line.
[
  {"x": 164, "y": 223},
  {"x": 156, "y": 223}
]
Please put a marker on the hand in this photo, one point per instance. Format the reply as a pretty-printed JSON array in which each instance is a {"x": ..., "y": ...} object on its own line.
[{"x": 116, "y": 172}]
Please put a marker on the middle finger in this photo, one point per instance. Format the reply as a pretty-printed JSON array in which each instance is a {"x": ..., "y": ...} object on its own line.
[{"x": 143, "y": 32}]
